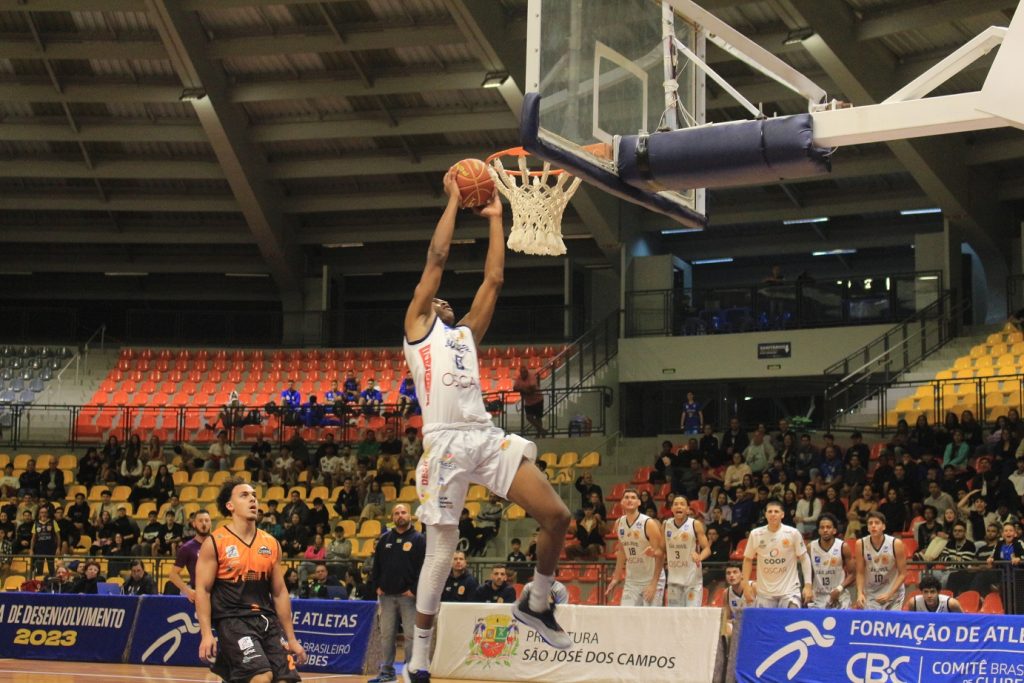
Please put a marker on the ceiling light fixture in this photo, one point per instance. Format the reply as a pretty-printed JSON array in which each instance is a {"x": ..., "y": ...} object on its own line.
[
  {"x": 681, "y": 231},
  {"x": 805, "y": 221},
  {"x": 834, "y": 252},
  {"x": 919, "y": 212},
  {"x": 709, "y": 261},
  {"x": 494, "y": 79},
  {"x": 124, "y": 274}
]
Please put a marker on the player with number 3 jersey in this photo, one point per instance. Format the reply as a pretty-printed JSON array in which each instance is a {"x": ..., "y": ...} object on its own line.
[{"x": 686, "y": 546}]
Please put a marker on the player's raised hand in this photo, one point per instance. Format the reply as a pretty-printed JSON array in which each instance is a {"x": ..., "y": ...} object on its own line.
[
  {"x": 491, "y": 209},
  {"x": 451, "y": 188}
]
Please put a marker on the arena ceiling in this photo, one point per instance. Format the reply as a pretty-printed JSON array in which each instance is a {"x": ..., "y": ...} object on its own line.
[{"x": 326, "y": 127}]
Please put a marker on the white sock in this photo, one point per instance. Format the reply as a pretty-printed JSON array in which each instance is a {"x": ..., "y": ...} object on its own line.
[
  {"x": 421, "y": 649},
  {"x": 540, "y": 591}
]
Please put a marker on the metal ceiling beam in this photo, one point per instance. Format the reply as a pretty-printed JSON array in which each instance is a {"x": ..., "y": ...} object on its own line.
[
  {"x": 994, "y": 151},
  {"x": 866, "y": 73},
  {"x": 15, "y": 261},
  {"x": 97, "y": 234},
  {"x": 62, "y": 48},
  {"x": 63, "y": 201},
  {"x": 131, "y": 131},
  {"x": 244, "y": 165},
  {"x": 247, "y": 92},
  {"x": 879, "y": 25}
]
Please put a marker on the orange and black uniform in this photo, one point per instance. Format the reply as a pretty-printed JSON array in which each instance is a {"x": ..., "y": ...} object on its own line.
[{"x": 242, "y": 609}]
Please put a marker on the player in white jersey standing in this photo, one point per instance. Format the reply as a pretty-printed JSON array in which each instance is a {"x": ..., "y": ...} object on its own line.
[
  {"x": 461, "y": 446},
  {"x": 735, "y": 600},
  {"x": 686, "y": 546},
  {"x": 832, "y": 566},
  {"x": 930, "y": 600},
  {"x": 881, "y": 568},
  {"x": 777, "y": 549},
  {"x": 639, "y": 557}
]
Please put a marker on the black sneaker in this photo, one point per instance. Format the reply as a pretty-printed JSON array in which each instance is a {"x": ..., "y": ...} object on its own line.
[
  {"x": 421, "y": 676},
  {"x": 543, "y": 623}
]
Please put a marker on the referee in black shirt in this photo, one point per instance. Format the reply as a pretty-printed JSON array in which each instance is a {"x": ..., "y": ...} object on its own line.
[{"x": 397, "y": 562}]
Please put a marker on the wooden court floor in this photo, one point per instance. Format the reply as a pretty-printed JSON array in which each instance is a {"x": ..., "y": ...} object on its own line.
[{"x": 38, "y": 671}]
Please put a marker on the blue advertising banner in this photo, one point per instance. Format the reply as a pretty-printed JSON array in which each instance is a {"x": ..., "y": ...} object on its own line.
[
  {"x": 879, "y": 647},
  {"x": 85, "y": 628},
  {"x": 335, "y": 633}
]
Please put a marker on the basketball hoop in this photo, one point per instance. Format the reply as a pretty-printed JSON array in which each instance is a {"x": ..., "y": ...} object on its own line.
[{"x": 537, "y": 205}]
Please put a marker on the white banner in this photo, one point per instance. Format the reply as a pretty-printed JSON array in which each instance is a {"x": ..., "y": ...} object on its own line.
[{"x": 612, "y": 645}]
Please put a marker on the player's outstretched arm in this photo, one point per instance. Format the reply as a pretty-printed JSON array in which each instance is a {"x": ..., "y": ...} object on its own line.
[
  {"x": 901, "y": 567},
  {"x": 620, "y": 569},
  {"x": 421, "y": 308},
  {"x": 482, "y": 310},
  {"x": 206, "y": 572},
  {"x": 283, "y": 608},
  {"x": 861, "y": 572},
  {"x": 657, "y": 539},
  {"x": 703, "y": 547}
]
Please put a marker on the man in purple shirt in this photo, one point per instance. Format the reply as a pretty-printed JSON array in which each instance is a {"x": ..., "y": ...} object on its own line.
[{"x": 188, "y": 554}]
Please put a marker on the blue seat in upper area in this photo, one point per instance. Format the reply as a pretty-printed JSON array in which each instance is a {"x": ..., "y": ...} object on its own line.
[{"x": 36, "y": 385}]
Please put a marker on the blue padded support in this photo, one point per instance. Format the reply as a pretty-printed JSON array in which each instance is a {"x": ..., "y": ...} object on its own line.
[
  {"x": 529, "y": 134},
  {"x": 723, "y": 155}
]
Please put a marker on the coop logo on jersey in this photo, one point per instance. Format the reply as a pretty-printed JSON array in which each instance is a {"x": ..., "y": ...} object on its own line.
[
  {"x": 495, "y": 641},
  {"x": 264, "y": 550}
]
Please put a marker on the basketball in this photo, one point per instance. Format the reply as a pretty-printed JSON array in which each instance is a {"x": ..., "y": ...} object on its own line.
[{"x": 476, "y": 187}]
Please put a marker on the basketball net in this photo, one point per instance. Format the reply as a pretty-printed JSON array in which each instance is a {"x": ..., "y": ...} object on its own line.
[{"x": 537, "y": 206}]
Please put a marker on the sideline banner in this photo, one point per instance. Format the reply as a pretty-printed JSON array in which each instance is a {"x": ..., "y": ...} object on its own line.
[
  {"x": 612, "y": 645},
  {"x": 85, "y": 628},
  {"x": 335, "y": 633},
  {"x": 879, "y": 647}
]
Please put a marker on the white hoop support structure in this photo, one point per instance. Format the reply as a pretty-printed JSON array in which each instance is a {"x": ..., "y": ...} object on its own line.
[{"x": 537, "y": 205}]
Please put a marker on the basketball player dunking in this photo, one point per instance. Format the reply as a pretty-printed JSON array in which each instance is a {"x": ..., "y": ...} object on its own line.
[
  {"x": 881, "y": 568},
  {"x": 639, "y": 556},
  {"x": 240, "y": 590},
  {"x": 461, "y": 446}
]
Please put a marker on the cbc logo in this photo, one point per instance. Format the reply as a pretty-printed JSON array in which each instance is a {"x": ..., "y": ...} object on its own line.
[{"x": 871, "y": 667}]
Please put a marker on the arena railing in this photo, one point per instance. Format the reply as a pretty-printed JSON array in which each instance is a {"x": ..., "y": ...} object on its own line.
[
  {"x": 71, "y": 426},
  {"x": 591, "y": 577},
  {"x": 789, "y": 305}
]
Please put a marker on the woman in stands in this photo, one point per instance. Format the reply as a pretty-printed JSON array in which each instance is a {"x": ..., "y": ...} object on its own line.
[
  {"x": 734, "y": 474},
  {"x": 373, "y": 504},
  {"x": 112, "y": 452},
  {"x": 105, "y": 531},
  {"x": 858, "y": 515},
  {"x": 163, "y": 486},
  {"x": 145, "y": 487},
  {"x": 130, "y": 469},
  {"x": 295, "y": 536},
  {"x": 833, "y": 505},
  {"x": 922, "y": 437},
  {"x": 957, "y": 451},
  {"x": 895, "y": 510},
  {"x": 808, "y": 509},
  {"x": 89, "y": 467},
  {"x": 1004, "y": 446},
  {"x": 647, "y": 505},
  {"x": 788, "y": 507}
]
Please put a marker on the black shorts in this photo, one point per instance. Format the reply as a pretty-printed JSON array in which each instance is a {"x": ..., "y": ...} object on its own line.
[
  {"x": 251, "y": 645},
  {"x": 536, "y": 410}
]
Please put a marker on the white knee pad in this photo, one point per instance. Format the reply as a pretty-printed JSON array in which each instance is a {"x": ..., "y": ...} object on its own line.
[{"x": 437, "y": 565}]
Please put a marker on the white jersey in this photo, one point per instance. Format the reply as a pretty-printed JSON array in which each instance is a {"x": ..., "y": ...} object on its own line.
[
  {"x": 680, "y": 544},
  {"x": 880, "y": 566},
  {"x": 444, "y": 367},
  {"x": 920, "y": 606},
  {"x": 736, "y": 602},
  {"x": 777, "y": 555},
  {"x": 637, "y": 547},
  {"x": 827, "y": 567}
]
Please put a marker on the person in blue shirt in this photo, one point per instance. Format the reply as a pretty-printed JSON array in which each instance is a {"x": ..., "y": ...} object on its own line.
[
  {"x": 692, "y": 419},
  {"x": 408, "y": 404},
  {"x": 291, "y": 398},
  {"x": 370, "y": 399},
  {"x": 334, "y": 394},
  {"x": 313, "y": 413},
  {"x": 351, "y": 387}
]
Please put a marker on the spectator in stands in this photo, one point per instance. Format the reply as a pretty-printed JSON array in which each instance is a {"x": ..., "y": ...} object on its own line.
[
  {"x": 808, "y": 510},
  {"x": 831, "y": 468},
  {"x": 884, "y": 474},
  {"x": 389, "y": 470},
  {"x": 28, "y": 503},
  {"x": 296, "y": 538},
  {"x": 128, "y": 529},
  {"x": 858, "y": 448},
  {"x": 928, "y": 529},
  {"x": 51, "y": 485},
  {"x": 291, "y": 398},
  {"x": 735, "y": 472},
  {"x": 959, "y": 550},
  {"x": 88, "y": 467},
  {"x": 130, "y": 470},
  {"x": 647, "y": 505},
  {"x": 527, "y": 383},
  {"x": 373, "y": 504},
  {"x": 461, "y": 585},
  {"x": 775, "y": 277},
  {"x": 734, "y": 440},
  {"x": 170, "y": 535},
  {"x": 112, "y": 451},
  {"x": 496, "y": 589},
  {"x": 69, "y": 535},
  {"x": 318, "y": 515},
  {"x": 833, "y": 505},
  {"x": 29, "y": 481},
  {"x": 412, "y": 448},
  {"x": 857, "y": 516},
  {"x": 140, "y": 582},
  {"x": 149, "y": 543},
  {"x": 665, "y": 464},
  {"x": 44, "y": 543},
  {"x": 191, "y": 458},
  {"x": 938, "y": 499},
  {"x": 589, "y": 535},
  {"x": 23, "y": 534},
  {"x": 313, "y": 412},
  {"x": 408, "y": 402},
  {"x": 296, "y": 506},
  {"x": 104, "y": 534},
  {"x": 895, "y": 510},
  {"x": 585, "y": 485},
  {"x": 971, "y": 429},
  {"x": 220, "y": 453},
  {"x": 710, "y": 450},
  {"x": 88, "y": 582},
  {"x": 347, "y": 503},
  {"x": 322, "y": 584},
  {"x": 758, "y": 453},
  {"x": 351, "y": 387},
  {"x": 337, "y": 401},
  {"x": 9, "y": 484},
  {"x": 488, "y": 520},
  {"x": 339, "y": 552},
  {"x": 370, "y": 399},
  {"x": 134, "y": 447},
  {"x": 145, "y": 487},
  {"x": 368, "y": 448},
  {"x": 163, "y": 486},
  {"x": 957, "y": 451},
  {"x": 1003, "y": 445},
  {"x": 175, "y": 506},
  {"x": 315, "y": 553},
  {"x": 78, "y": 514},
  {"x": 854, "y": 475}
]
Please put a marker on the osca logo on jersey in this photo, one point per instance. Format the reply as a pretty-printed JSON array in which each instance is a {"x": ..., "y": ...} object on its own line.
[{"x": 874, "y": 667}]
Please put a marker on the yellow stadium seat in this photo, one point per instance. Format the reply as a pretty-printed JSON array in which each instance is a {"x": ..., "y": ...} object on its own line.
[
  {"x": 563, "y": 477},
  {"x": 304, "y": 476},
  {"x": 13, "y": 582},
  {"x": 21, "y": 461},
  {"x": 121, "y": 493},
  {"x": 208, "y": 494},
  {"x": 239, "y": 463},
  {"x": 75, "y": 489},
  {"x": 116, "y": 580},
  {"x": 550, "y": 458},
  {"x": 408, "y": 495},
  {"x": 370, "y": 529},
  {"x": 189, "y": 494},
  {"x": 243, "y": 475},
  {"x": 364, "y": 549},
  {"x": 145, "y": 509},
  {"x": 84, "y": 543},
  {"x": 322, "y": 493},
  {"x": 4, "y": 459},
  {"x": 300, "y": 489},
  {"x": 189, "y": 508},
  {"x": 944, "y": 374},
  {"x": 275, "y": 493},
  {"x": 514, "y": 512},
  {"x": 568, "y": 459},
  {"x": 348, "y": 527},
  {"x": 477, "y": 493},
  {"x": 963, "y": 363},
  {"x": 390, "y": 494},
  {"x": 200, "y": 478},
  {"x": 474, "y": 509},
  {"x": 19, "y": 565},
  {"x": 180, "y": 478},
  {"x": 220, "y": 477},
  {"x": 43, "y": 461},
  {"x": 589, "y": 461}
]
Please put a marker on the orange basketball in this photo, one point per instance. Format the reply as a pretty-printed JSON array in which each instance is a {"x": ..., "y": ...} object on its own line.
[{"x": 476, "y": 187}]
